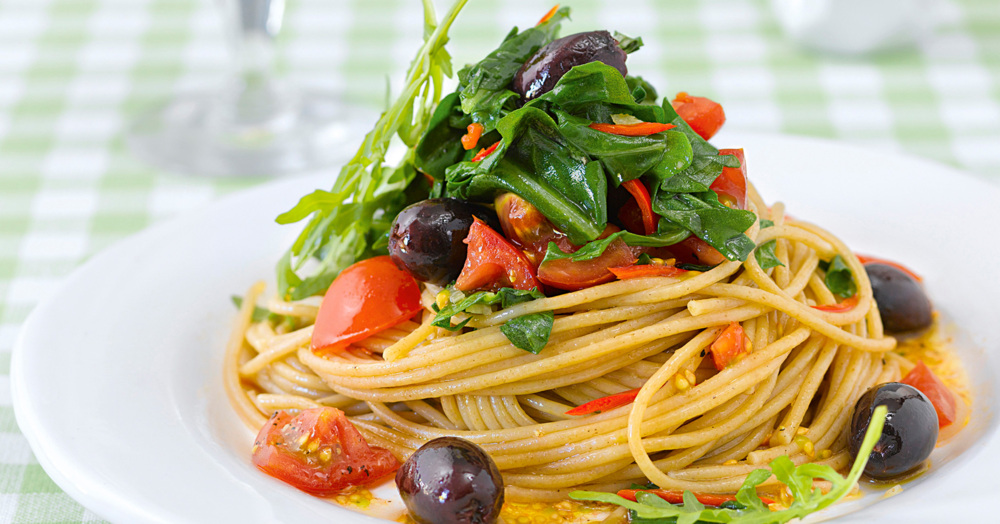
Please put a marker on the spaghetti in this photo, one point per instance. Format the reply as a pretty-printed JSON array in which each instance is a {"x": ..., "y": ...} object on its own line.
[{"x": 691, "y": 427}]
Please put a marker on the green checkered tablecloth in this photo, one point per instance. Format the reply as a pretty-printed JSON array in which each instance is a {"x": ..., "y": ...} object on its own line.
[{"x": 73, "y": 72}]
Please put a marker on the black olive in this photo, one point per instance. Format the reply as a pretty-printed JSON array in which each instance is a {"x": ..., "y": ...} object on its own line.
[
  {"x": 541, "y": 72},
  {"x": 426, "y": 238},
  {"x": 901, "y": 300},
  {"x": 909, "y": 434},
  {"x": 451, "y": 481}
]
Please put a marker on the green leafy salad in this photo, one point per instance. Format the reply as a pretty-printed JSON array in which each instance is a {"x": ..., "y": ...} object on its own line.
[{"x": 546, "y": 150}]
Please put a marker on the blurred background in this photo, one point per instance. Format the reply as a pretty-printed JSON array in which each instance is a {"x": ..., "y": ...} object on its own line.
[{"x": 918, "y": 77}]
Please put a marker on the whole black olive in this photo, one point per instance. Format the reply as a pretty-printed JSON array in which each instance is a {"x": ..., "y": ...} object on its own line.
[
  {"x": 909, "y": 434},
  {"x": 901, "y": 300},
  {"x": 541, "y": 72},
  {"x": 426, "y": 238},
  {"x": 451, "y": 481}
]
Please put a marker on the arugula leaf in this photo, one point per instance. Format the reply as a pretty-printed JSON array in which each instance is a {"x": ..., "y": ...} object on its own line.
[
  {"x": 350, "y": 222},
  {"x": 259, "y": 314},
  {"x": 529, "y": 332},
  {"x": 839, "y": 278},
  {"x": 649, "y": 508}
]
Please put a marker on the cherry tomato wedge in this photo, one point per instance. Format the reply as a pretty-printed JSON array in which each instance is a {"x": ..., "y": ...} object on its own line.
[
  {"x": 731, "y": 184},
  {"x": 647, "y": 270},
  {"x": 526, "y": 227},
  {"x": 319, "y": 451},
  {"x": 368, "y": 297},
  {"x": 693, "y": 250},
  {"x": 922, "y": 378},
  {"x": 638, "y": 191},
  {"x": 605, "y": 403},
  {"x": 674, "y": 496},
  {"x": 841, "y": 307},
  {"x": 728, "y": 346},
  {"x": 865, "y": 259},
  {"x": 703, "y": 115},
  {"x": 493, "y": 262},
  {"x": 568, "y": 275},
  {"x": 637, "y": 129}
]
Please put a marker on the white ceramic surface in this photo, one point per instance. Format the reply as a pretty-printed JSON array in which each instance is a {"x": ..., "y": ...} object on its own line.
[{"x": 117, "y": 376}]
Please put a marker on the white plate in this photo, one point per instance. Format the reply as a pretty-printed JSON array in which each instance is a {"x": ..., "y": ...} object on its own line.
[{"x": 117, "y": 377}]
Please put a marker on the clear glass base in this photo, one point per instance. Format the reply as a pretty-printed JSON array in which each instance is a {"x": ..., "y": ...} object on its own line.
[{"x": 249, "y": 130}]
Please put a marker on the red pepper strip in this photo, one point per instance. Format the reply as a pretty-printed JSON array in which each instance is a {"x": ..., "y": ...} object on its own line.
[
  {"x": 638, "y": 129},
  {"x": 846, "y": 305},
  {"x": 638, "y": 191},
  {"x": 483, "y": 153},
  {"x": 548, "y": 15},
  {"x": 647, "y": 270},
  {"x": 471, "y": 137},
  {"x": 605, "y": 403},
  {"x": 865, "y": 259},
  {"x": 674, "y": 496}
]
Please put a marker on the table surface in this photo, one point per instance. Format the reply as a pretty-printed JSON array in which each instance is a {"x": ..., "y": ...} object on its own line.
[{"x": 73, "y": 73}]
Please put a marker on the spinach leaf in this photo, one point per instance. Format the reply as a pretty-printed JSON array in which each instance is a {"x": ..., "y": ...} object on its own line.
[
  {"x": 595, "y": 91},
  {"x": 441, "y": 144},
  {"x": 626, "y": 157},
  {"x": 627, "y": 43},
  {"x": 702, "y": 214},
  {"x": 642, "y": 91},
  {"x": 839, "y": 278},
  {"x": 537, "y": 163},
  {"x": 483, "y": 87},
  {"x": 766, "y": 256},
  {"x": 529, "y": 332},
  {"x": 765, "y": 252}
]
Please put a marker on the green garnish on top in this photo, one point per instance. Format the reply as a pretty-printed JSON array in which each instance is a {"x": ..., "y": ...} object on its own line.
[{"x": 546, "y": 152}]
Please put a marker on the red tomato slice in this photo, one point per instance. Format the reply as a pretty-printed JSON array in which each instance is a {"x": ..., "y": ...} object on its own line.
[
  {"x": 605, "y": 403},
  {"x": 674, "y": 496},
  {"x": 922, "y": 378},
  {"x": 731, "y": 184},
  {"x": 728, "y": 346},
  {"x": 646, "y": 270},
  {"x": 319, "y": 451},
  {"x": 493, "y": 262},
  {"x": 703, "y": 115},
  {"x": 568, "y": 275},
  {"x": 638, "y": 191},
  {"x": 369, "y": 296}
]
